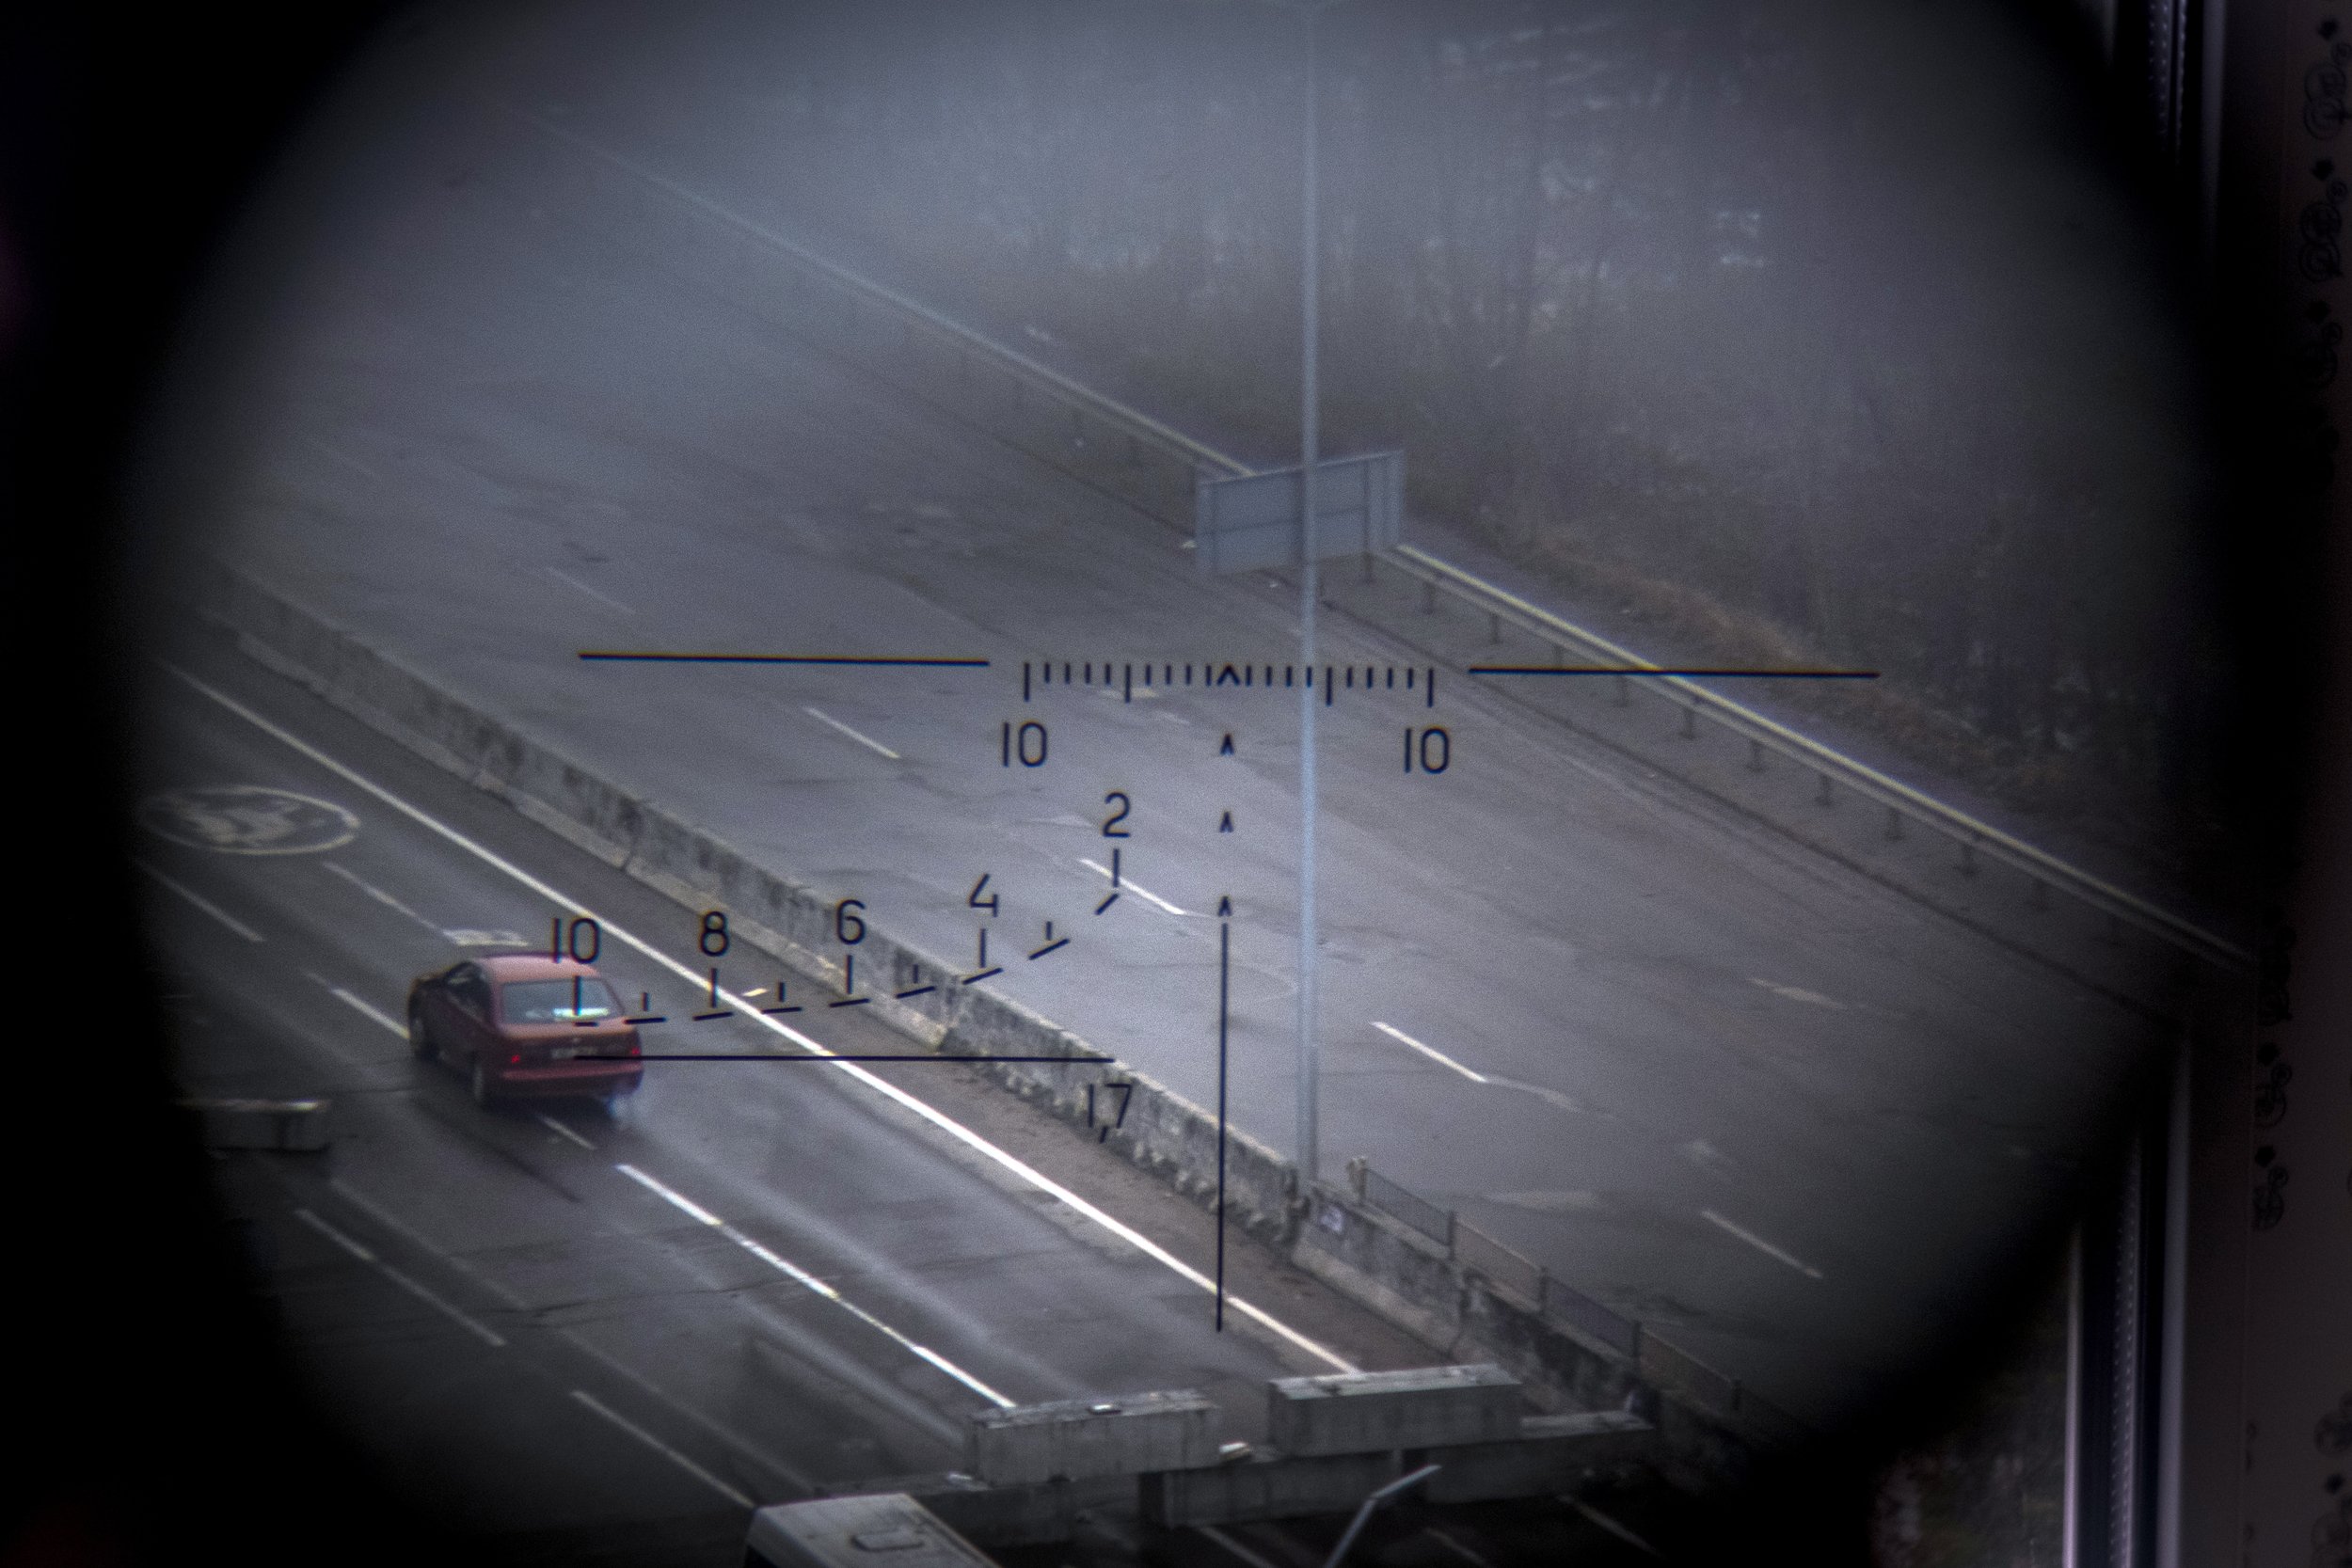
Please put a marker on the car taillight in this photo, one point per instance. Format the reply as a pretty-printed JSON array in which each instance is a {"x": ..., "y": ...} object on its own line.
[{"x": 515, "y": 1060}]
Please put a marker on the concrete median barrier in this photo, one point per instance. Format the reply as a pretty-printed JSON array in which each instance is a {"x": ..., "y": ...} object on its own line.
[
  {"x": 1424, "y": 1407},
  {"x": 1344, "y": 1241},
  {"x": 300, "y": 1125},
  {"x": 1078, "y": 1439}
]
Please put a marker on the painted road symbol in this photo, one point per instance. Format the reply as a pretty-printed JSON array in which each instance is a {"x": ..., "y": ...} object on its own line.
[
  {"x": 248, "y": 819},
  {"x": 464, "y": 936}
]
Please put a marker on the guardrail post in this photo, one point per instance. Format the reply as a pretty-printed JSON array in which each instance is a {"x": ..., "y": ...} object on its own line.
[
  {"x": 1894, "y": 823},
  {"x": 1824, "y": 795},
  {"x": 1357, "y": 1167},
  {"x": 1428, "y": 598},
  {"x": 1494, "y": 628},
  {"x": 1690, "y": 722},
  {"x": 1967, "y": 858},
  {"x": 1755, "y": 756}
]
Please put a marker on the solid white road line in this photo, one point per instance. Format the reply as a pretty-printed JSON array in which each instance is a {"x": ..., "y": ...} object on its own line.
[
  {"x": 1233, "y": 1546},
  {"x": 741, "y": 1445},
  {"x": 1127, "y": 884},
  {"x": 365, "y": 1009},
  {"x": 413, "y": 1288},
  {"x": 381, "y": 896},
  {"x": 601, "y": 599},
  {"x": 865, "y": 740},
  {"x": 808, "y": 1281},
  {"x": 345, "y": 458},
  {"x": 657, "y": 1446},
  {"x": 1442, "y": 1539},
  {"x": 1760, "y": 1243},
  {"x": 1438, "y": 1056},
  {"x": 1798, "y": 993},
  {"x": 947, "y": 1124},
  {"x": 202, "y": 903},
  {"x": 1596, "y": 1516},
  {"x": 561, "y": 1131}
]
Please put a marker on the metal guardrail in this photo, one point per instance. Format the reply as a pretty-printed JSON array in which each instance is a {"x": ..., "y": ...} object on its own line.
[
  {"x": 1679, "y": 1368},
  {"x": 1042, "y": 377},
  {"x": 1470, "y": 1248},
  {"x": 1660, "y": 1361},
  {"x": 1975, "y": 836},
  {"x": 1405, "y": 1204},
  {"x": 1972, "y": 835},
  {"x": 1577, "y": 1310},
  {"x": 1497, "y": 1264}
]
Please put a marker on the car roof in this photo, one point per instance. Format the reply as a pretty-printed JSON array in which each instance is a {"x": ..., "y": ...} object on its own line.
[{"x": 532, "y": 966}]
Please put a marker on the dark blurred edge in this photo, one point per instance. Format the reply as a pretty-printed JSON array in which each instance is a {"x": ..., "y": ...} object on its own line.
[
  {"x": 163, "y": 1420},
  {"x": 159, "y": 1419}
]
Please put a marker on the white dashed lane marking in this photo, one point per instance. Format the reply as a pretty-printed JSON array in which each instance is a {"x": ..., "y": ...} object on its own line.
[
  {"x": 203, "y": 903},
  {"x": 657, "y": 1446},
  {"x": 945, "y": 1124},
  {"x": 1760, "y": 1243},
  {"x": 483, "y": 1331},
  {"x": 808, "y": 1281},
  {"x": 865, "y": 740}
]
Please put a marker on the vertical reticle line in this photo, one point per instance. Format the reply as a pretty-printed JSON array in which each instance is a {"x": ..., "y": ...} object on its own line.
[{"x": 1224, "y": 958}]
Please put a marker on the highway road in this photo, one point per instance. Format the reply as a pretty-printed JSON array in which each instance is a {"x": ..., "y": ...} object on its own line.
[
  {"x": 590, "y": 1340},
  {"x": 1741, "y": 1095}
]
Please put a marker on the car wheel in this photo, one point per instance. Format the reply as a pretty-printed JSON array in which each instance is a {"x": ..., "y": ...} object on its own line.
[
  {"x": 616, "y": 1107},
  {"x": 419, "y": 1036},
  {"x": 484, "y": 1095}
]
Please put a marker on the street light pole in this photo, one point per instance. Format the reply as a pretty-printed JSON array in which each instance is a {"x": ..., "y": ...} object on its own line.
[{"x": 1308, "y": 1067}]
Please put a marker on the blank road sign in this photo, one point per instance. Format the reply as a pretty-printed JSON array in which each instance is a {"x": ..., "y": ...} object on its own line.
[{"x": 1251, "y": 523}]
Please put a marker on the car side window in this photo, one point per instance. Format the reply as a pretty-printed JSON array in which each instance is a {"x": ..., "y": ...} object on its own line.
[{"x": 470, "y": 989}]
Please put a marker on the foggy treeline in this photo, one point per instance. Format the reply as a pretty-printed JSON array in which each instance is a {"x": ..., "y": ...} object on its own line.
[{"x": 1800, "y": 329}]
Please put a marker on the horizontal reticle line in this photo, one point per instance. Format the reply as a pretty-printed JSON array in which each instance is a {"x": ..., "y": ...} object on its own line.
[
  {"x": 751, "y": 1056},
  {"x": 1687, "y": 674},
  {"x": 778, "y": 658}
]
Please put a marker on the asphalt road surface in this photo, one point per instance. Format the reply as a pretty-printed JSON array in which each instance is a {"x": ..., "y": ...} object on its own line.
[
  {"x": 596, "y": 1340},
  {"x": 1761, "y": 1104}
]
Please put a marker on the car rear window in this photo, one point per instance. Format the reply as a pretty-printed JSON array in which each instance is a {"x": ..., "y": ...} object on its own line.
[{"x": 559, "y": 1001}]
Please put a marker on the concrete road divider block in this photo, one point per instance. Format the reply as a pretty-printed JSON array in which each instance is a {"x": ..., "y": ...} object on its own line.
[
  {"x": 287, "y": 1124},
  {"x": 1047, "y": 1513},
  {"x": 1264, "y": 1486},
  {"x": 1077, "y": 1440},
  {"x": 1352, "y": 1248},
  {"x": 834, "y": 1532},
  {"x": 1547, "y": 1457},
  {"x": 1421, "y": 1408}
]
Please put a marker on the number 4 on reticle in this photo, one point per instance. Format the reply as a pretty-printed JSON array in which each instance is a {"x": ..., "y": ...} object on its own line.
[{"x": 990, "y": 903}]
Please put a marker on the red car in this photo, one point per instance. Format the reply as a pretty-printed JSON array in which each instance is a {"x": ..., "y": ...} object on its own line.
[{"x": 527, "y": 1026}]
